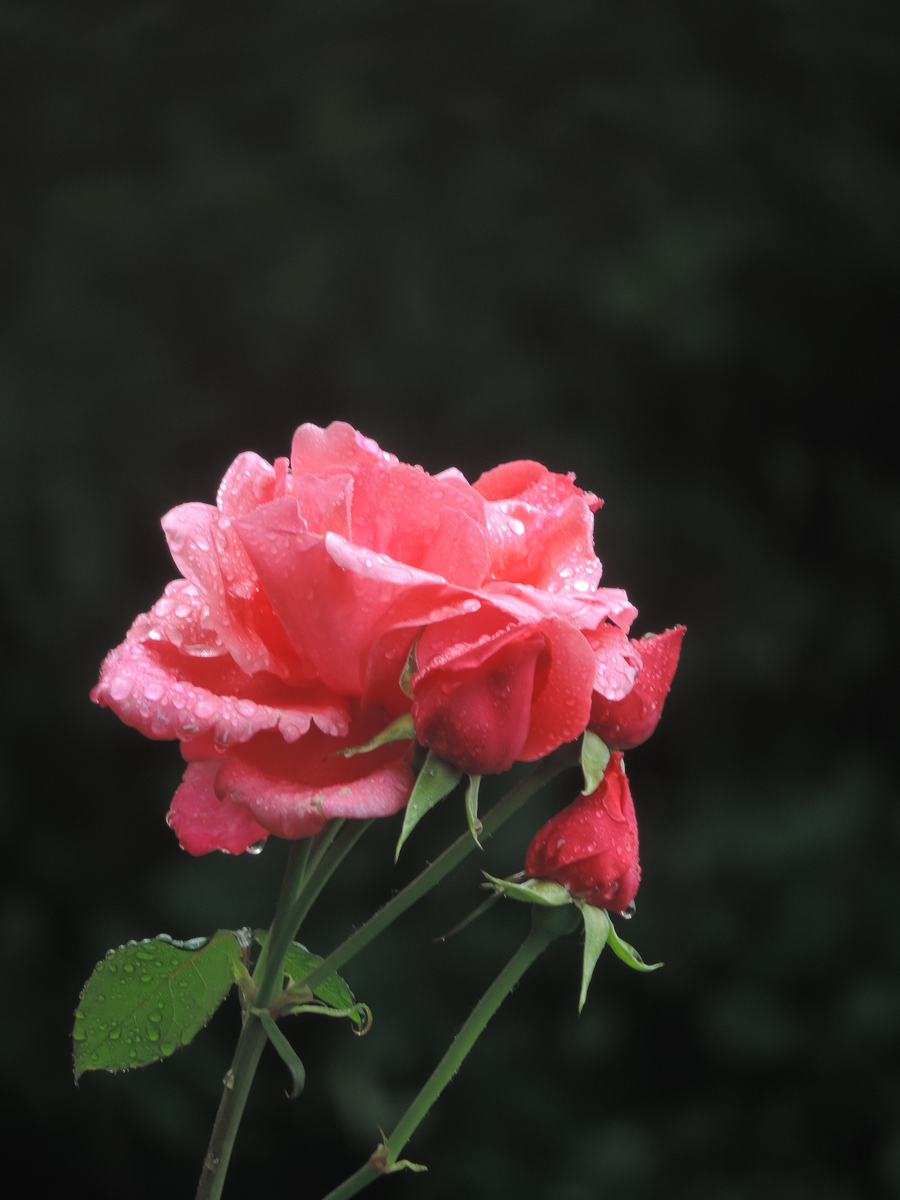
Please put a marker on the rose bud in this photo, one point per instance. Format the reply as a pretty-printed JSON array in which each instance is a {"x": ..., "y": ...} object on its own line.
[
  {"x": 591, "y": 847},
  {"x": 624, "y": 724}
]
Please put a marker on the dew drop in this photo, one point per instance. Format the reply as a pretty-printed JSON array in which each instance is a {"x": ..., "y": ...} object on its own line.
[
  {"x": 153, "y": 1035},
  {"x": 629, "y": 911},
  {"x": 257, "y": 847}
]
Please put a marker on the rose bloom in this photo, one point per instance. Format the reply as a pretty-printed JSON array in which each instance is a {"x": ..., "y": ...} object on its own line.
[
  {"x": 591, "y": 847},
  {"x": 304, "y": 591}
]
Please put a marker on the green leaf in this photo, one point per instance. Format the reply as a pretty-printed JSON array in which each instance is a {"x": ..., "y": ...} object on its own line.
[
  {"x": 594, "y": 757},
  {"x": 286, "y": 1052},
  {"x": 436, "y": 780},
  {"x": 410, "y": 668},
  {"x": 400, "y": 730},
  {"x": 475, "y": 826},
  {"x": 532, "y": 891},
  {"x": 147, "y": 999},
  {"x": 300, "y": 962},
  {"x": 628, "y": 954},
  {"x": 597, "y": 926}
]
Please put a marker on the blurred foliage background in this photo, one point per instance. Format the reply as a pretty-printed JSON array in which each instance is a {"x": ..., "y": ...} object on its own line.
[{"x": 653, "y": 242}]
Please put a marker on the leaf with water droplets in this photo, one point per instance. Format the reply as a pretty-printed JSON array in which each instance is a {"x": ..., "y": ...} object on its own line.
[
  {"x": 333, "y": 991},
  {"x": 628, "y": 954},
  {"x": 403, "y": 729},
  {"x": 597, "y": 928},
  {"x": 436, "y": 780},
  {"x": 147, "y": 999},
  {"x": 594, "y": 757}
]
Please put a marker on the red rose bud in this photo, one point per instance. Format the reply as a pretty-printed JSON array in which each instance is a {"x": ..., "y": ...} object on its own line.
[
  {"x": 624, "y": 724},
  {"x": 591, "y": 847}
]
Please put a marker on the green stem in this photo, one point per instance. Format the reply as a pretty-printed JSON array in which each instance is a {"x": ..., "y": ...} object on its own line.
[
  {"x": 309, "y": 867},
  {"x": 547, "y": 924},
  {"x": 566, "y": 756}
]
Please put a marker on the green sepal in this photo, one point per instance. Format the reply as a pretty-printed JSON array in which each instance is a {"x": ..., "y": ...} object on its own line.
[
  {"x": 594, "y": 757},
  {"x": 597, "y": 926},
  {"x": 286, "y": 1052},
  {"x": 300, "y": 962},
  {"x": 410, "y": 668},
  {"x": 401, "y": 730},
  {"x": 628, "y": 954},
  {"x": 532, "y": 891},
  {"x": 436, "y": 780},
  {"x": 475, "y": 826},
  {"x": 147, "y": 999}
]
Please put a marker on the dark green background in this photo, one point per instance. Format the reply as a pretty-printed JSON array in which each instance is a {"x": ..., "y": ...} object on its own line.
[{"x": 655, "y": 242}]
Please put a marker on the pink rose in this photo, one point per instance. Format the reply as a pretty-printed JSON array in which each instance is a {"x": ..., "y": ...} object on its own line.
[
  {"x": 591, "y": 847},
  {"x": 305, "y": 589}
]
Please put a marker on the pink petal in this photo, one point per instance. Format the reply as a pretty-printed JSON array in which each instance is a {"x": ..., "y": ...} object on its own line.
[
  {"x": 617, "y": 662},
  {"x": 325, "y": 503},
  {"x": 562, "y": 694},
  {"x": 207, "y": 551},
  {"x": 336, "y": 449},
  {"x": 248, "y": 482},
  {"x": 398, "y": 511},
  {"x": 626, "y": 723},
  {"x": 294, "y": 810},
  {"x": 583, "y": 610},
  {"x": 165, "y": 694},
  {"x": 331, "y": 596},
  {"x": 473, "y": 706},
  {"x": 458, "y": 551},
  {"x": 180, "y": 617},
  {"x": 203, "y": 822}
]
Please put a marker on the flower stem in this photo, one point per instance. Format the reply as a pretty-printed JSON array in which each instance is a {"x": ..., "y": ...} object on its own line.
[
  {"x": 566, "y": 756},
  {"x": 547, "y": 924},
  {"x": 309, "y": 867}
]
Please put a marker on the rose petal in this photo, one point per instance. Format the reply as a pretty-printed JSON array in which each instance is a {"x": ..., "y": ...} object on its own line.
[
  {"x": 331, "y": 596},
  {"x": 165, "y": 694},
  {"x": 583, "y": 610},
  {"x": 248, "y": 482},
  {"x": 207, "y": 552},
  {"x": 616, "y": 662},
  {"x": 474, "y": 708},
  {"x": 293, "y": 789},
  {"x": 398, "y": 511},
  {"x": 336, "y": 449},
  {"x": 295, "y": 810},
  {"x": 458, "y": 551},
  {"x": 626, "y": 723},
  {"x": 180, "y": 617},
  {"x": 203, "y": 822},
  {"x": 325, "y": 503},
  {"x": 562, "y": 694}
]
